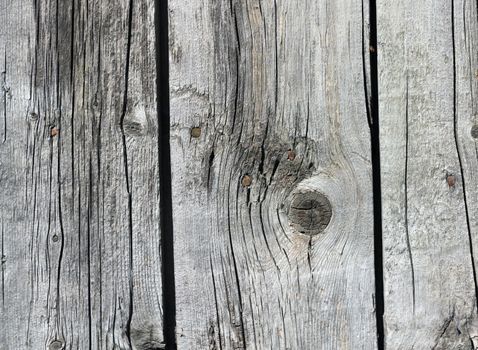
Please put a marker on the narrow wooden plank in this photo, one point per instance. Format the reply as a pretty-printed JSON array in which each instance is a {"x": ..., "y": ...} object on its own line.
[
  {"x": 80, "y": 214},
  {"x": 268, "y": 116},
  {"x": 427, "y": 92},
  {"x": 19, "y": 263}
]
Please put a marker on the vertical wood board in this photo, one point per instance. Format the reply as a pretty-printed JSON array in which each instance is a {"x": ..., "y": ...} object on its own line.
[
  {"x": 427, "y": 97},
  {"x": 79, "y": 176},
  {"x": 268, "y": 109}
]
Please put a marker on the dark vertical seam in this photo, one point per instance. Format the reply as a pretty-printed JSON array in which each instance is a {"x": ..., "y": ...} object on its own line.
[
  {"x": 164, "y": 155},
  {"x": 455, "y": 131},
  {"x": 237, "y": 55},
  {"x": 5, "y": 95},
  {"x": 236, "y": 273},
  {"x": 88, "y": 241},
  {"x": 73, "y": 100},
  {"x": 376, "y": 180},
  {"x": 60, "y": 213},
  {"x": 218, "y": 319},
  {"x": 276, "y": 68},
  {"x": 126, "y": 170},
  {"x": 364, "y": 68},
  {"x": 98, "y": 165},
  {"x": 2, "y": 262},
  {"x": 60, "y": 219},
  {"x": 410, "y": 256}
]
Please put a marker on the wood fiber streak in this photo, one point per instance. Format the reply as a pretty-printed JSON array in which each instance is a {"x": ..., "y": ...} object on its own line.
[
  {"x": 279, "y": 90},
  {"x": 428, "y": 105},
  {"x": 79, "y": 177}
]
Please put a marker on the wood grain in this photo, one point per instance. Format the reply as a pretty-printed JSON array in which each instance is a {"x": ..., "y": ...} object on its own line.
[
  {"x": 279, "y": 91},
  {"x": 79, "y": 176},
  {"x": 427, "y": 86}
]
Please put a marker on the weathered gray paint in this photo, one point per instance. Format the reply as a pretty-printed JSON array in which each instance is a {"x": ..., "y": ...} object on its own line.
[
  {"x": 427, "y": 85},
  {"x": 79, "y": 203},
  {"x": 271, "y": 174},
  {"x": 277, "y": 88}
]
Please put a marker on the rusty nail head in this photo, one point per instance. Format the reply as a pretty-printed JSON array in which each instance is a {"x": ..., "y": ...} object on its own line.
[
  {"x": 196, "y": 132},
  {"x": 290, "y": 155},
  {"x": 450, "y": 179},
  {"x": 246, "y": 181}
]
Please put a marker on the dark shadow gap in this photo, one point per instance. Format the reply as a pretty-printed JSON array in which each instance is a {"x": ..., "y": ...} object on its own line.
[
  {"x": 377, "y": 194},
  {"x": 166, "y": 206}
]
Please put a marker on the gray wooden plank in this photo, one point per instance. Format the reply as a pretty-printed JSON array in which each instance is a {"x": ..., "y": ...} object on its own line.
[
  {"x": 20, "y": 264},
  {"x": 427, "y": 87},
  {"x": 80, "y": 177},
  {"x": 268, "y": 104}
]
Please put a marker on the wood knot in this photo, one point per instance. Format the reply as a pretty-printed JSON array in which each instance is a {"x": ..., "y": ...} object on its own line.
[
  {"x": 450, "y": 179},
  {"x": 474, "y": 131},
  {"x": 54, "y": 131},
  {"x": 310, "y": 212},
  {"x": 246, "y": 181},
  {"x": 55, "y": 345},
  {"x": 196, "y": 132},
  {"x": 133, "y": 128},
  {"x": 290, "y": 155},
  {"x": 147, "y": 337}
]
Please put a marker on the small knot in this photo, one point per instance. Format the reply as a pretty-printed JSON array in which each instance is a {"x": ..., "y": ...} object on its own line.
[
  {"x": 56, "y": 345},
  {"x": 196, "y": 132},
  {"x": 133, "y": 128},
  {"x": 474, "y": 131},
  {"x": 310, "y": 212},
  {"x": 246, "y": 181},
  {"x": 290, "y": 155},
  {"x": 451, "y": 180},
  {"x": 54, "y": 131}
]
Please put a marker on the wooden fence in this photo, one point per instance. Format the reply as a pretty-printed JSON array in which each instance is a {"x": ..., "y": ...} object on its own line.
[{"x": 242, "y": 174}]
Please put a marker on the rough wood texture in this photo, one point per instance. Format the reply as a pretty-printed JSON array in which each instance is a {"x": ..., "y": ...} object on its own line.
[
  {"x": 279, "y": 92},
  {"x": 428, "y": 105},
  {"x": 79, "y": 205}
]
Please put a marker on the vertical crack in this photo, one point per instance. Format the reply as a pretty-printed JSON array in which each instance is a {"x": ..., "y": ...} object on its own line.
[
  {"x": 126, "y": 170},
  {"x": 377, "y": 195},
  {"x": 364, "y": 67},
  {"x": 460, "y": 161},
  {"x": 410, "y": 256},
  {"x": 218, "y": 319},
  {"x": 6, "y": 92},
  {"x": 2, "y": 264},
  {"x": 164, "y": 151},
  {"x": 236, "y": 275}
]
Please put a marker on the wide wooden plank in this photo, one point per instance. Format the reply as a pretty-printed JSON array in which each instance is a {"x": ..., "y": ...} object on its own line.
[
  {"x": 427, "y": 93},
  {"x": 269, "y": 137},
  {"x": 79, "y": 202}
]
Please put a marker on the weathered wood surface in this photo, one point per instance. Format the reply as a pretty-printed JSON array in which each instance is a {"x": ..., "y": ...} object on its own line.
[
  {"x": 428, "y": 106},
  {"x": 268, "y": 101},
  {"x": 271, "y": 175},
  {"x": 79, "y": 204}
]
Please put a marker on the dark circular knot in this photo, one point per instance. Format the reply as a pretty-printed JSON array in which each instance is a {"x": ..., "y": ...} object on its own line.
[
  {"x": 55, "y": 345},
  {"x": 310, "y": 212},
  {"x": 196, "y": 132},
  {"x": 474, "y": 131}
]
